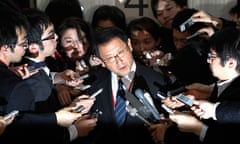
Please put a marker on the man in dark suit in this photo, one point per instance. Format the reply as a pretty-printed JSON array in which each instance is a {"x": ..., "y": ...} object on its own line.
[
  {"x": 221, "y": 126},
  {"x": 115, "y": 50},
  {"x": 15, "y": 94}
]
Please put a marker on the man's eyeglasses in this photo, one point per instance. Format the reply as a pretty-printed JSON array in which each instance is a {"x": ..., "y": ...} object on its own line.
[
  {"x": 113, "y": 58},
  {"x": 50, "y": 37},
  {"x": 210, "y": 56}
]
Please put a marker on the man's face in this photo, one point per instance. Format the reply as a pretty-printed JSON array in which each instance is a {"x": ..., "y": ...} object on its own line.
[
  {"x": 117, "y": 56},
  {"x": 143, "y": 41},
  {"x": 179, "y": 38},
  {"x": 219, "y": 71},
  {"x": 71, "y": 45},
  {"x": 19, "y": 50},
  {"x": 49, "y": 41}
]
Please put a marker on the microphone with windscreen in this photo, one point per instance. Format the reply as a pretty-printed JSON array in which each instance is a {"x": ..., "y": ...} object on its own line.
[
  {"x": 141, "y": 109},
  {"x": 141, "y": 95},
  {"x": 134, "y": 112}
]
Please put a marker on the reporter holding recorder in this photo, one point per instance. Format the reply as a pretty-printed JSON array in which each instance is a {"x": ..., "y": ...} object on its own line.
[
  {"x": 15, "y": 93},
  {"x": 224, "y": 62}
]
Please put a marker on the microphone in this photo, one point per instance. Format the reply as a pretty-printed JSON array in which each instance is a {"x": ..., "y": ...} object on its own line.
[
  {"x": 142, "y": 110},
  {"x": 134, "y": 112},
  {"x": 139, "y": 93}
]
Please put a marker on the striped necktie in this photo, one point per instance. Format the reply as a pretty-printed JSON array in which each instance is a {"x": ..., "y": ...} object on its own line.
[{"x": 120, "y": 110}]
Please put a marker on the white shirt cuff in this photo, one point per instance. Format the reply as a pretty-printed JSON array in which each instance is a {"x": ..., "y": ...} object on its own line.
[
  {"x": 214, "y": 110},
  {"x": 73, "y": 132},
  {"x": 203, "y": 132}
]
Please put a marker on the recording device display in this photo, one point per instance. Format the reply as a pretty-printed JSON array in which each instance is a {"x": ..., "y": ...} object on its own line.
[
  {"x": 185, "y": 25},
  {"x": 13, "y": 113},
  {"x": 187, "y": 101},
  {"x": 169, "y": 110},
  {"x": 195, "y": 35},
  {"x": 140, "y": 94}
]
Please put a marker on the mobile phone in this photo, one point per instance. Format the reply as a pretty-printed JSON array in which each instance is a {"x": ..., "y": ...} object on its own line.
[
  {"x": 185, "y": 25},
  {"x": 32, "y": 68},
  {"x": 79, "y": 109},
  {"x": 83, "y": 87},
  {"x": 169, "y": 110},
  {"x": 83, "y": 77},
  {"x": 195, "y": 35},
  {"x": 96, "y": 93},
  {"x": 187, "y": 101},
  {"x": 161, "y": 95},
  {"x": 12, "y": 113}
]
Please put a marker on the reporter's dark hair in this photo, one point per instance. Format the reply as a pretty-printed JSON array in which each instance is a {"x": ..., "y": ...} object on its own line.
[
  {"x": 180, "y": 3},
  {"x": 11, "y": 21},
  {"x": 107, "y": 34},
  {"x": 226, "y": 43}
]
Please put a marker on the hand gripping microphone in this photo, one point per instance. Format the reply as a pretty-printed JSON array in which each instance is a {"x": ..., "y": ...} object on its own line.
[{"x": 140, "y": 94}]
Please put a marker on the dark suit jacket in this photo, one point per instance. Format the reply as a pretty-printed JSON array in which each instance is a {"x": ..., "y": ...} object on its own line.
[
  {"x": 134, "y": 130},
  {"x": 190, "y": 64},
  {"x": 44, "y": 93},
  {"x": 223, "y": 130},
  {"x": 28, "y": 127}
]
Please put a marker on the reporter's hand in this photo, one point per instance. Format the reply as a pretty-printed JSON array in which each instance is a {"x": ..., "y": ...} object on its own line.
[
  {"x": 85, "y": 101},
  {"x": 5, "y": 123},
  {"x": 204, "y": 109},
  {"x": 85, "y": 125},
  {"x": 95, "y": 61},
  {"x": 199, "y": 91},
  {"x": 67, "y": 77},
  {"x": 158, "y": 130},
  {"x": 173, "y": 103},
  {"x": 202, "y": 16},
  {"x": 187, "y": 122},
  {"x": 22, "y": 71},
  {"x": 65, "y": 116},
  {"x": 63, "y": 93}
]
